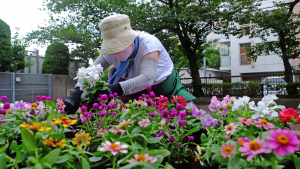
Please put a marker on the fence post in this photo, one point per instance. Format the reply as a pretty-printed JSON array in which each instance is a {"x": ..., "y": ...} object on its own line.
[
  {"x": 262, "y": 90},
  {"x": 50, "y": 85},
  {"x": 13, "y": 87}
]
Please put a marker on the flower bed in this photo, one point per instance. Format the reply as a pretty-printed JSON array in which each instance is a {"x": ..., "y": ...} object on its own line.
[{"x": 148, "y": 133}]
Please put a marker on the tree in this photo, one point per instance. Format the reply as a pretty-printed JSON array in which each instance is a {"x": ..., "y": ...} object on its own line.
[
  {"x": 213, "y": 58},
  {"x": 5, "y": 47},
  {"x": 57, "y": 59},
  {"x": 283, "y": 23},
  {"x": 189, "y": 21},
  {"x": 19, "y": 53}
]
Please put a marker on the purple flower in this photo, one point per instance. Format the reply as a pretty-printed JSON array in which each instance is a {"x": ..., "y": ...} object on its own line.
[
  {"x": 169, "y": 131},
  {"x": 149, "y": 103},
  {"x": 43, "y": 97},
  {"x": 3, "y": 98},
  {"x": 99, "y": 124},
  {"x": 83, "y": 108},
  {"x": 95, "y": 106},
  {"x": 199, "y": 113},
  {"x": 28, "y": 119},
  {"x": 85, "y": 114},
  {"x": 180, "y": 123},
  {"x": 116, "y": 94},
  {"x": 161, "y": 133},
  {"x": 102, "y": 113},
  {"x": 99, "y": 99},
  {"x": 83, "y": 121},
  {"x": 160, "y": 109},
  {"x": 61, "y": 112},
  {"x": 104, "y": 97},
  {"x": 157, "y": 135},
  {"x": 165, "y": 113},
  {"x": 143, "y": 95},
  {"x": 178, "y": 145},
  {"x": 178, "y": 107},
  {"x": 31, "y": 112},
  {"x": 152, "y": 114},
  {"x": 191, "y": 138},
  {"x": 109, "y": 106},
  {"x": 207, "y": 120},
  {"x": 38, "y": 97},
  {"x": 147, "y": 96},
  {"x": 111, "y": 96},
  {"x": 152, "y": 95},
  {"x": 48, "y": 98},
  {"x": 173, "y": 114},
  {"x": 103, "y": 105},
  {"x": 140, "y": 98},
  {"x": 183, "y": 114},
  {"x": 6, "y": 106},
  {"x": 171, "y": 139},
  {"x": 113, "y": 105},
  {"x": 149, "y": 88}
]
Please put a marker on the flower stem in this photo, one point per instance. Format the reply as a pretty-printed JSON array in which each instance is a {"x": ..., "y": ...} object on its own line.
[{"x": 114, "y": 162}]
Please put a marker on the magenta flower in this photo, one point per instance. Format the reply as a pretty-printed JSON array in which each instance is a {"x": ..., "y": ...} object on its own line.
[
  {"x": 3, "y": 98},
  {"x": 191, "y": 138},
  {"x": 111, "y": 96},
  {"x": 38, "y": 97},
  {"x": 264, "y": 123},
  {"x": 83, "y": 108},
  {"x": 230, "y": 128},
  {"x": 48, "y": 98},
  {"x": 114, "y": 148},
  {"x": 283, "y": 141},
  {"x": 152, "y": 114},
  {"x": 171, "y": 139},
  {"x": 199, "y": 113},
  {"x": 161, "y": 133},
  {"x": 118, "y": 131},
  {"x": 6, "y": 106},
  {"x": 116, "y": 94},
  {"x": 142, "y": 157},
  {"x": 180, "y": 123},
  {"x": 152, "y": 95},
  {"x": 104, "y": 97},
  {"x": 178, "y": 107},
  {"x": 149, "y": 88},
  {"x": 254, "y": 147},
  {"x": 144, "y": 123},
  {"x": 241, "y": 141},
  {"x": 95, "y": 106},
  {"x": 102, "y": 113},
  {"x": 108, "y": 107},
  {"x": 43, "y": 97},
  {"x": 165, "y": 113},
  {"x": 245, "y": 121},
  {"x": 227, "y": 150}
]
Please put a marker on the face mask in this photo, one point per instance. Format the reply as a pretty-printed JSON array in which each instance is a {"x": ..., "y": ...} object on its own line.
[{"x": 124, "y": 54}]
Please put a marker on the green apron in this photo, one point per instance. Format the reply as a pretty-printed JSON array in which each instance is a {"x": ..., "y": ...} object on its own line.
[{"x": 171, "y": 86}]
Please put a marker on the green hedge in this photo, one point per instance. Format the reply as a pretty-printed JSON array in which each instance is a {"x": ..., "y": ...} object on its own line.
[
  {"x": 243, "y": 89},
  {"x": 5, "y": 47}
]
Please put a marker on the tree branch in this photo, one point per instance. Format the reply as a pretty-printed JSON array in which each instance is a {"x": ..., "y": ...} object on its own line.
[
  {"x": 89, "y": 5},
  {"x": 292, "y": 5}
]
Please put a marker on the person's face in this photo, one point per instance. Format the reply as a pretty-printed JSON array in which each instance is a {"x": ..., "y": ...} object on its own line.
[{"x": 124, "y": 54}]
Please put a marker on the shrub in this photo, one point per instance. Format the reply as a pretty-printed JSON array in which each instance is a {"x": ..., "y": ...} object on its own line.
[
  {"x": 5, "y": 47},
  {"x": 57, "y": 59}
]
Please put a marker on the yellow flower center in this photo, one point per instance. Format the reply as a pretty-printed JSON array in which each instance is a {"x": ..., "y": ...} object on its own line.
[
  {"x": 244, "y": 119},
  {"x": 196, "y": 159},
  {"x": 140, "y": 157},
  {"x": 241, "y": 143},
  {"x": 264, "y": 122},
  {"x": 254, "y": 145},
  {"x": 227, "y": 150},
  {"x": 114, "y": 146},
  {"x": 229, "y": 127},
  {"x": 33, "y": 105},
  {"x": 283, "y": 140},
  {"x": 140, "y": 101},
  {"x": 62, "y": 103}
]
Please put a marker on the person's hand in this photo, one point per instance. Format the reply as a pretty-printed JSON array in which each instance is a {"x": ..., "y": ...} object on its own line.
[
  {"x": 72, "y": 102},
  {"x": 112, "y": 88}
]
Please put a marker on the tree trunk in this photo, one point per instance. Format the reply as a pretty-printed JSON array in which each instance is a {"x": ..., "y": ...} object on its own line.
[{"x": 287, "y": 70}]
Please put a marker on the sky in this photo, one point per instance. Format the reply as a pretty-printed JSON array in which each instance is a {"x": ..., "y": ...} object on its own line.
[{"x": 24, "y": 14}]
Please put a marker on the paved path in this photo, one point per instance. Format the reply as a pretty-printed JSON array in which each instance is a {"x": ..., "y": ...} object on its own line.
[{"x": 295, "y": 128}]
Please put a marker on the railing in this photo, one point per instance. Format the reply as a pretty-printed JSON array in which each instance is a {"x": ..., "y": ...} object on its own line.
[{"x": 250, "y": 85}]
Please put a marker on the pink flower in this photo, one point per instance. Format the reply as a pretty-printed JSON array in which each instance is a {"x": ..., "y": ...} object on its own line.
[
  {"x": 230, "y": 128},
  {"x": 227, "y": 150},
  {"x": 245, "y": 121},
  {"x": 264, "y": 123},
  {"x": 241, "y": 141},
  {"x": 118, "y": 131},
  {"x": 254, "y": 147},
  {"x": 144, "y": 123},
  {"x": 228, "y": 137},
  {"x": 142, "y": 157},
  {"x": 114, "y": 148},
  {"x": 101, "y": 131},
  {"x": 283, "y": 141}
]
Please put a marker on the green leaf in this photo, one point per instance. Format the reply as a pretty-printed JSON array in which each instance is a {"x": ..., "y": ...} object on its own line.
[
  {"x": 203, "y": 138},
  {"x": 2, "y": 161},
  {"x": 28, "y": 140},
  {"x": 148, "y": 165},
  {"x": 95, "y": 159},
  {"x": 49, "y": 118},
  {"x": 51, "y": 103},
  {"x": 38, "y": 166},
  {"x": 2, "y": 139},
  {"x": 62, "y": 159},
  {"x": 125, "y": 158},
  {"x": 2, "y": 149},
  {"x": 193, "y": 130},
  {"x": 154, "y": 139},
  {"x": 136, "y": 130},
  {"x": 51, "y": 157},
  {"x": 168, "y": 166},
  {"x": 85, "y": 164},
  {"x": 136, "y": 146},
  {"x": 162, "y": 152},
  {"x": 233, "y": 162},
  {"x": 130, "y": 165},
  {"x": 296, "y": 161}
]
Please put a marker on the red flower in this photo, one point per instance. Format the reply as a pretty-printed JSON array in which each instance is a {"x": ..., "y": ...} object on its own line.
[
  {"x": 287, "y": 115},
  {"x": 162, "y": 102},
  {"x": 177, "y": 99},
  {"x": 298, "y": 121}
]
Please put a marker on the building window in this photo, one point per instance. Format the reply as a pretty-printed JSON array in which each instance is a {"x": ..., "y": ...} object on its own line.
[
  {"x": 243, "y": 57},
  {"x": 209, "y": 75}
]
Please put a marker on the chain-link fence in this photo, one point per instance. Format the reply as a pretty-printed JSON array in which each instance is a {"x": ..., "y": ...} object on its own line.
[{"x": 23, "y": 86}]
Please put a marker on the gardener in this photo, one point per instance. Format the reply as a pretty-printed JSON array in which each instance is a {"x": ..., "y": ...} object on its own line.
[{"x": 138, "y": 59}]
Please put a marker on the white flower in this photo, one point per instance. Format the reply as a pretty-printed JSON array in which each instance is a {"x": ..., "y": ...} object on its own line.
[
  {"x": 1, "y": 105},
  {"x": 257, "y": 115}
]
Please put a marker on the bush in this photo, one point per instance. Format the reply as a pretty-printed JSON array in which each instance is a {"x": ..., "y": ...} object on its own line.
[
  {"x": 5, "y": 47},
  {"x": 57, "y": 59}
]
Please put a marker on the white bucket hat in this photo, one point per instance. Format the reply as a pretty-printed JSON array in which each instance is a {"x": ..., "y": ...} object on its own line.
[{"x": 116, "y": 33}]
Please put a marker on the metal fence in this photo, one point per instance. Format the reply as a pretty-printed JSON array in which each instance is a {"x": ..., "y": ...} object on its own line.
[
  {"x": 23, "y": 86},
  {"x": 258, "y": 85}
]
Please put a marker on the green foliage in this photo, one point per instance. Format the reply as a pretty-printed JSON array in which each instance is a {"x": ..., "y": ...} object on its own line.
[
  {"x": 213, "y": 58},
  {"x": 57, "y": 59},
  {"x": 5, "y": 47}
]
